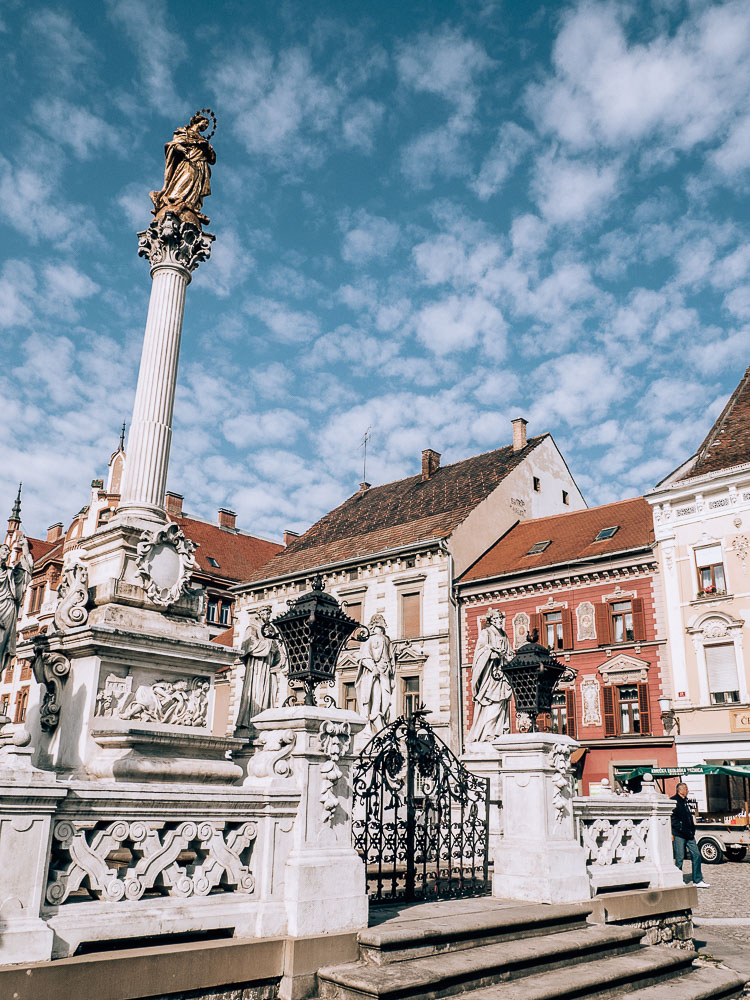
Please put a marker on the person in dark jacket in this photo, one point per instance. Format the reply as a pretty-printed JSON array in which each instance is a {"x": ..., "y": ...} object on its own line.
[{"x": 683, "y": 834}]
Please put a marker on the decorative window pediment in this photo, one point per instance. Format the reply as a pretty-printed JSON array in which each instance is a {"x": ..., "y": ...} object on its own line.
[
  {"x": 409, "y": 656},
  {"x": 624, "y": 669},
  {"x": 714, "y": 625}
]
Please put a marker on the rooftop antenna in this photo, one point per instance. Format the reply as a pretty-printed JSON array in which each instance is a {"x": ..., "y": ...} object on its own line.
[{"x": 363, "y": 445}]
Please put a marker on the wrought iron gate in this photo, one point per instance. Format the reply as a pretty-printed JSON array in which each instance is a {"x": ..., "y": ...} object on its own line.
[{"x": 420, "y": 820}]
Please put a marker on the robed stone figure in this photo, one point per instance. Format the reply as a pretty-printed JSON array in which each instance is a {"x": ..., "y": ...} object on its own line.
[
  {"x": 13, "y": 583},
  {"x": 187, "y": 172},
  {"x": 374, "y": 680},
  {"x": 489, "y": 686},
  {"x": 260, "y": 654}
]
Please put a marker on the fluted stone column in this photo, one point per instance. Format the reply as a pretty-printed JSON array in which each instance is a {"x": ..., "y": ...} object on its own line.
[{"x": 174, "y": 248}]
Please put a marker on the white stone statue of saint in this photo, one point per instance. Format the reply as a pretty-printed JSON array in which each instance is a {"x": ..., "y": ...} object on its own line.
[
  {"x": 374, "y": 680},
  {"x": 491, "y": 696},
  {"x": 260, "y": 655},
  {"x": 13, "y": 582}
]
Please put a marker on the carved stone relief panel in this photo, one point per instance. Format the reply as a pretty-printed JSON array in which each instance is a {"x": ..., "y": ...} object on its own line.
[
  {"x": 586, "y": 620},
  {"x": 590, "y": 705},
  {"x": 181, "y": 701},
  {"x": 521, "y": 625}
]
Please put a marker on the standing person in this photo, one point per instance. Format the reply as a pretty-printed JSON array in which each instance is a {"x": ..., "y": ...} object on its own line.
[{"x": 683, "y": 833}]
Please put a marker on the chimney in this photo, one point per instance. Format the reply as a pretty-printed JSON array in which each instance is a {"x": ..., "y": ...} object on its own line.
[
  {"x": 364, "y": 487},
  {"x": 430, "y": 463},
  {"x": 227, "y": 518},
  {"x": 173, "y": 503},
  {"x": 289, "y": 536},
  {"x": 55, "y": 531},
  {"x": 519, "y": 433}
]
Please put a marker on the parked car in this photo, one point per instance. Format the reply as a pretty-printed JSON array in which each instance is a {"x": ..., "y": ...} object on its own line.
[{"x": 719, "y": 842}]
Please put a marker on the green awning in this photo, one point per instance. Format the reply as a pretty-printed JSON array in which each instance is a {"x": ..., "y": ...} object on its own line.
[{"x": 627, "y": 773}]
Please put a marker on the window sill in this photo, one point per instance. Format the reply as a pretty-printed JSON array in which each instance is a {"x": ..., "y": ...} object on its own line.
[{"x": 707, "y": 598}]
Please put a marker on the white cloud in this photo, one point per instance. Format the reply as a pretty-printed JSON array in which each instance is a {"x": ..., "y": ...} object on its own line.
[
  {"x": 372, "y": 237},
  {"x": 510, "y": 147},
  {"x": 572, "y": 191},
  {"x": 289, "y": 326},
  {"x": 278, "y": 426},
  {"x": 445, "y": 63},
  {"x": 457, "y": 323},
  {"x": 76, "y": 127},
  {"x": 360, "y": 121},
  {"x": 17, "y": 289}
]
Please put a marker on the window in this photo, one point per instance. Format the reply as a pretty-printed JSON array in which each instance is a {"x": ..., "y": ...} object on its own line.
[
  {"x": 411, "y": 694},
  {"x": 354, "y": 610},
  {"x": 553, "y": 629},
  {"x": 607, "y": 533},
  {"x": 225, "y": 613},
  {"x": 212, "y": 611},
  {"x": 562, "y": 718},
  {"x": 25, "y": 670},
  {"x": 537, "y": 485},
  {"x": 710, "y": 567},
  {"x": 212, "y": 562},
  {"x": 559, "y": 713},
  {"x": 411, "y": 626},
  {"x": 349, "y": 699},
  {"x": 22, "y": 700},
  {"x": 722, "y": 673},
  {"x": 538, "y": 547},
  {"x": 565, "y": 497},
  {"x": 9, "y": 672},
  {"x": 626, "y": 710},
  {"x": 35, "y": 602},
  {"x": 622, "y": 621},
  {"x": 104, "y": 516},
  {"x": 4, "y": 704}
]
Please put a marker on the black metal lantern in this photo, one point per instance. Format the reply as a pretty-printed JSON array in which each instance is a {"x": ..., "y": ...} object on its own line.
[
  {"x": 313, "y": 632},
  {"x": 533, "y": 675}
]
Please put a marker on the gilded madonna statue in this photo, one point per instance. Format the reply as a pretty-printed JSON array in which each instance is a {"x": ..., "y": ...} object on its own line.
[{"x": 187, "y": 171}]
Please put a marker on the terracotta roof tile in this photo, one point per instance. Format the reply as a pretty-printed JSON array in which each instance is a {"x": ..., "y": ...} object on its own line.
[
  {"x": 571, "y": 537},
  {"x": 728, "y": 442},
  {"x": 225, "y": 638},
  {"x": 237, "y": 554},
  {"x": 400, "y": 513}
]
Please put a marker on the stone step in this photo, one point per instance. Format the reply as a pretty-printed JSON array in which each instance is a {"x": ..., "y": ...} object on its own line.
[
  {"x": 404, "y": 939},
  {"x": 649, "y": 973},
  {"x": 706, "y": 983},
  {"x": 459, "y": 971}
]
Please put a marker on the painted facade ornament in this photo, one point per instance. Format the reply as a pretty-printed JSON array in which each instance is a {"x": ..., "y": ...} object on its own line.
[
  {"x": 741, "y": 547},
  {"x": 591, "y": 706},
  {"x": 183, "y": 702},
  {"x": 335, "y": 740},
  {"x": 375, "y": 674},
  {"x": 260, "y": 654},
  {"x": 560, "y": 760},
  {"x": 73, "y": 593},
  {"x": 164, "y": 561},
  {"x": 50, "y": 669},
  {"x": 13, "y": 583},
  {"x": 273, "y": 759},
  {"x": 188, "y": 158},
  {"x": 489, "y": 685},
  {"x": 586, "y": 620},
  {"x": 521, "y": 628},
  {"x": 715, "y": 628}
]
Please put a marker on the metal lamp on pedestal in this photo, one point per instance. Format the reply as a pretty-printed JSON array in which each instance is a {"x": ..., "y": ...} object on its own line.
[{"x": 533, "y": 675}]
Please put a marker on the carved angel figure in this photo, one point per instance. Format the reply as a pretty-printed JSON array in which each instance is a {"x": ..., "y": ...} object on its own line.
[
  {"x": 13, "y": 582},
  {"x": 187, "y": 172}
]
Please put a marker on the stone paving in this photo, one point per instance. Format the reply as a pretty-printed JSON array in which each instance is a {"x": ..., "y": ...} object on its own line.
[{"x": 725, "y": 908}]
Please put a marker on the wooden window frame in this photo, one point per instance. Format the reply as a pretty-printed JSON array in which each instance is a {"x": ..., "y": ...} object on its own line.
[
  {"x": 611, "y": 704},
  {"x": 537, "y": 621},
  {"x": 403, "y": 594},
  {"x": 404, "y": 696},
  {"x": 603, "y": 614},
  {"x": 21, "y": 706}
]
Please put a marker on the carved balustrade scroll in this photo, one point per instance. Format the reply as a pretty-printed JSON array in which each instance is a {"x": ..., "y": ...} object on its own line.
[{"x": 609, "y": 842}]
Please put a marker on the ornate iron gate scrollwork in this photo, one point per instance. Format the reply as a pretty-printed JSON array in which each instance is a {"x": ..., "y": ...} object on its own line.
[{"x": 421, "y": 820}]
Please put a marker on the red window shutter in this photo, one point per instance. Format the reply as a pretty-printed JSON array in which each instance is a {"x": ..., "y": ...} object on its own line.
[
  {"x": 643, "y": 709},
  {"x": 535, "y": 622},
  {"x": 567, "y": 628},
  {"x": 602, "y": 624},
  {"x": 570, "y": 708},
  {"x": 544, "y": 722},
  {"x": 410, "y": 616},
  {"x": 610, "y": 729},
  {"x": 639, "y": 620}
]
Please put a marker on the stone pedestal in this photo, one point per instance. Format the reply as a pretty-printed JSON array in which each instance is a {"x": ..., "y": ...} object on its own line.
[
  {"x": 28, "y": 800},
  {"x": 539, "y": 857},
  {"x": 324, "y": 878},
  {"x": 483, "y": 760}
]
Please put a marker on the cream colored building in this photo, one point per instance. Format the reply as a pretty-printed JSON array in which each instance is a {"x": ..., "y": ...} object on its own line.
[{"x": 702, "y": 530}]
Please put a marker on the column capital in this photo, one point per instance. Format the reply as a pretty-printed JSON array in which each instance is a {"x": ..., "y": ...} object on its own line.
[{"x": 171, "y": 241}]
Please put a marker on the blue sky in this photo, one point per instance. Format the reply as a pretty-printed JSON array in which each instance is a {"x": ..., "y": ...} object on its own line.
[{"x": 430, "y": 218}]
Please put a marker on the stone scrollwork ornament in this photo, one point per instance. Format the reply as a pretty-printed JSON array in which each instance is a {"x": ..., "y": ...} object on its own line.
[
  {"x": 51, "y": 669},
  {"x": 165, "y": 560},
  {"x": 73, "y": 593},
  {"x": 335, "y": 740},
  {"x": 273, "y": 759}
]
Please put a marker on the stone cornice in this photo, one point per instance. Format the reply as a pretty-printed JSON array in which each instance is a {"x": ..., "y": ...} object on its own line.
[{"x": 482, "y": 591}]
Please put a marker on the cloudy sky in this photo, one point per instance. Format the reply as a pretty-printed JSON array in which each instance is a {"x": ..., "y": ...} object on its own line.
[{"x": 430, "y": 218}]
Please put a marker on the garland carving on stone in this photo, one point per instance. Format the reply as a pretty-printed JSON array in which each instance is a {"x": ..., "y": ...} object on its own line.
[
  {"x": 73, "y": 593},
  {"x": 169, "y": 240},
  {"x": 220, "y": 853},
  {"x": 560, "y": 760},
  {"x": 51, "y": 670},
  {"x": 165, "y": 561},
  {"x": 335, "y": 740}
]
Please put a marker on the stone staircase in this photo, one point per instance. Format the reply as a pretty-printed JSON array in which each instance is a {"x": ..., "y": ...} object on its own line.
[{"x": 496, "y": 951}]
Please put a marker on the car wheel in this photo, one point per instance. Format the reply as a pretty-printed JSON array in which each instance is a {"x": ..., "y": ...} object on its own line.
[
  {"x": 736, "y": 853},
  {"x": 711, "y": 851}
]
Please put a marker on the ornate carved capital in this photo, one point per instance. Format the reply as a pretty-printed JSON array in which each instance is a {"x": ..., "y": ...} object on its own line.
[
  {"x": 51, "y": 670},
  {"x": 165, "y": 560},
  {"x": 170, "y": 240}
]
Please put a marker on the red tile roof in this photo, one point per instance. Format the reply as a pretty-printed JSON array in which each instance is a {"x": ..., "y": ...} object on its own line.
[
  {"x": 728, "y": 442},
  {"x": 401, "y": 513},
  {"x": 39, "y": 548},
  {"x": 571, "y": 537},
  {"x": 225, "y": 638},
  {"x": 237, "y": 553}
]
